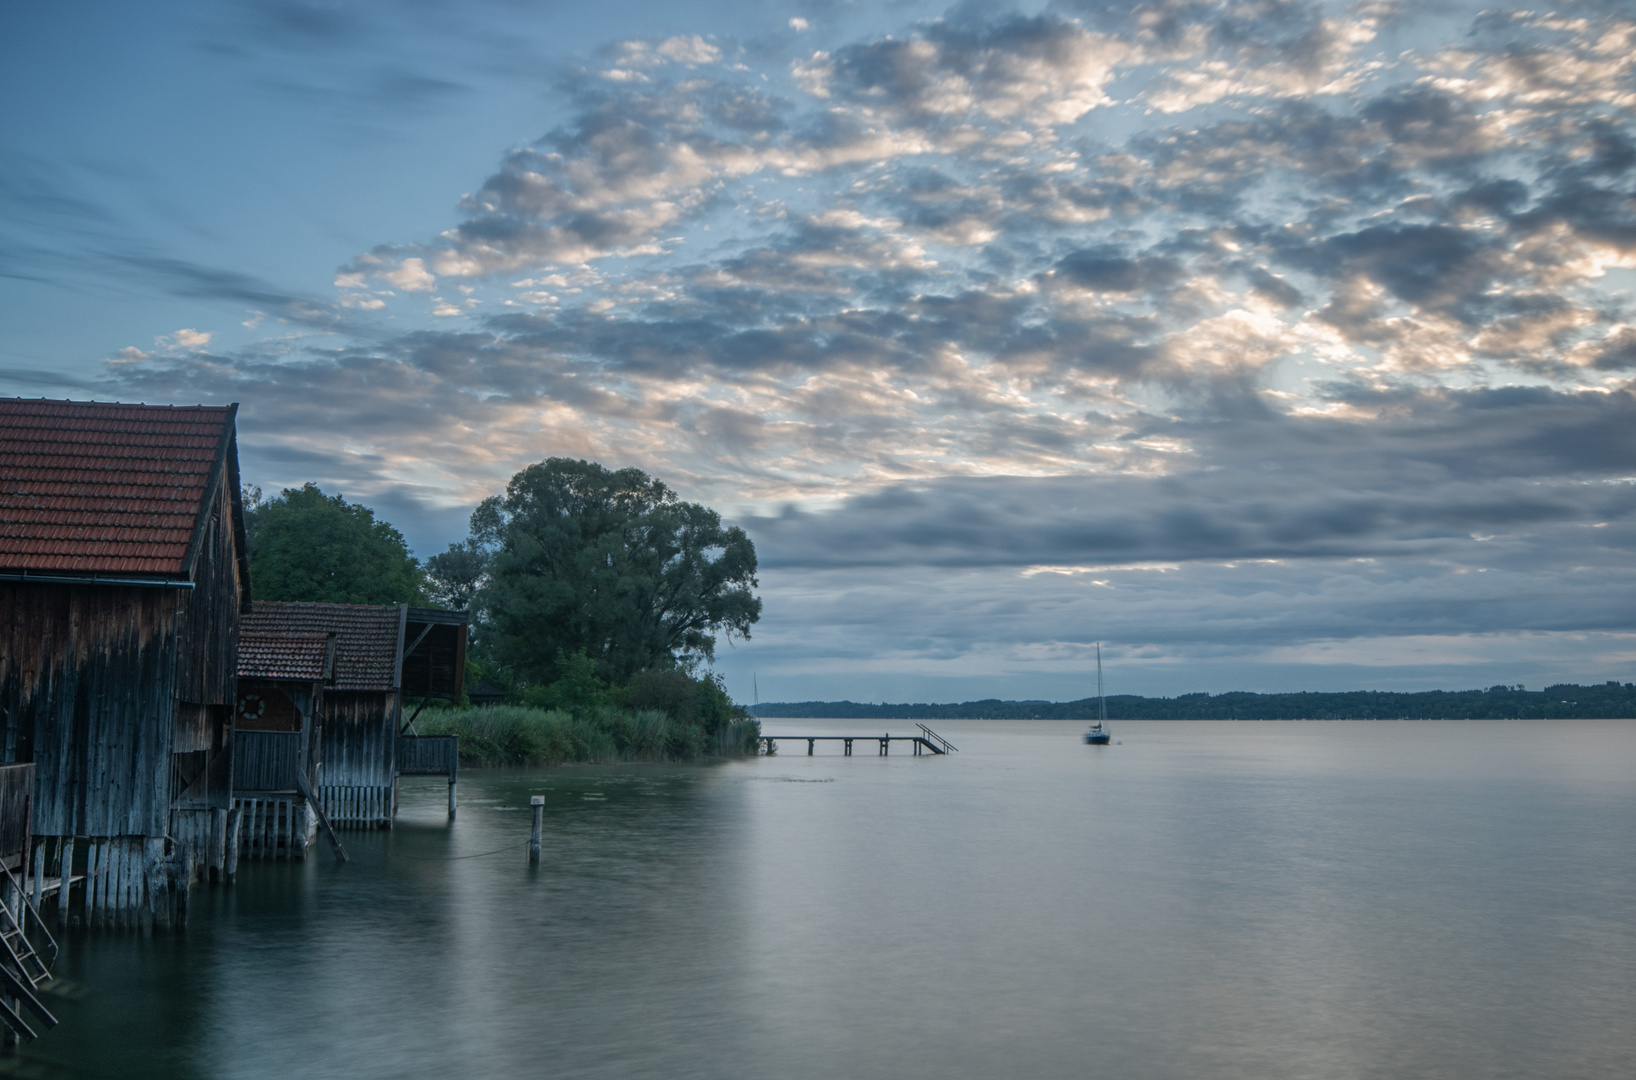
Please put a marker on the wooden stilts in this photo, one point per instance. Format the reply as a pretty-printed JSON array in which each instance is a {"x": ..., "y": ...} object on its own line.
[
  {"x": 65, "y": 876},
  {"x": 536, "y": 803},
  {"x": 451, "y": 796},
  {"x": 116, "y": 882},
  {"x": 39, "y": 873},
  {"x": 158, "y": 875},
  {"x": 230, "y": 857},
  {"x": 93, "y": 868}
]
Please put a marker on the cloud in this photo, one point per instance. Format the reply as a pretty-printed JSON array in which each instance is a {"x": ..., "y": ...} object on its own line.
[
  {"x": 191, "y": 339},
  {"x": 1335, "y": 332}
]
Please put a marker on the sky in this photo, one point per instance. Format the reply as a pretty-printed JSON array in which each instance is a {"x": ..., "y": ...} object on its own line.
[{"x": 1275, "y": 345}]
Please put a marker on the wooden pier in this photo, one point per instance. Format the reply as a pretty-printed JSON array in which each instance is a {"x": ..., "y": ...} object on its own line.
[{"x": 927, "y": 742}]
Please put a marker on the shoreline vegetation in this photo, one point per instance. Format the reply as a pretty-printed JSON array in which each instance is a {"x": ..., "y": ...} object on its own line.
[
  {"x": 1567, "y": 701},
  {"x": 494, "y": 736},
  {"x": 595, "y": 597}
]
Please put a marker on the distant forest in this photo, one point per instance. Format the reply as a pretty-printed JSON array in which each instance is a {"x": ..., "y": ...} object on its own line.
[{"x": 1611, "y": 700}]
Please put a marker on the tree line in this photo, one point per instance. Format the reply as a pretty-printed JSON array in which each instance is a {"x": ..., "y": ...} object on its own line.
[
  {"x": 1565, "y": 701},
  {"x": 588, "y": 587}
]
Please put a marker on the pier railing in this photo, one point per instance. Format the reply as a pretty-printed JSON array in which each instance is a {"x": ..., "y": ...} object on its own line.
[
  {"x": 428, "y": 755},
  {"x": 948, "y": 747},
  {"x": 918, "y": 743}
]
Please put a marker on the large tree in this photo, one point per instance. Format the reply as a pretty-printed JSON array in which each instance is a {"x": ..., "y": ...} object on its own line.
[
  {"x": 609, "y": 564},
  {"x": 454, "y": 576},
  {"x": 306, "y": 545}
]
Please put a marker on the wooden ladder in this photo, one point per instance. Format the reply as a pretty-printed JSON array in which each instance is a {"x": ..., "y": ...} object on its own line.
[{"x": 22, "y": 970}]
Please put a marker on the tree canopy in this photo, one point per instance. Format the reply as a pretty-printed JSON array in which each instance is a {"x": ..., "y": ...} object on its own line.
[
  {"x": 454, "y": 576},
  {"x": 607, "y": 565},
  {"x": 306, "y": 545}
]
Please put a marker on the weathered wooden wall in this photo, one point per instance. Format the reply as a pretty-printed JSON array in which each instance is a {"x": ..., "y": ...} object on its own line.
[
  {"x": 208, "y": 630},
  {"x": 265, "y": 761},
  {"x": 358, "y": 750},
  {"x": 428, "y": 755},
  {"x": 16, "y": 801},
  {"x": 87, "y": 686}
]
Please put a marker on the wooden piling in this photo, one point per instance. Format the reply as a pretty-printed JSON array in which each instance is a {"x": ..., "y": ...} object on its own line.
[
  {"x": 93, "y": 880},
  {"x": 39, "y": 873},
  {"x": 156, "y": 912},
  {"x": 65, "y": 875},
  {"x": 536, "y": 803},
  {"x": 230, "y": 857},
  {"x": 182, "y": 863},
  {"x": 451, "y": 798}
]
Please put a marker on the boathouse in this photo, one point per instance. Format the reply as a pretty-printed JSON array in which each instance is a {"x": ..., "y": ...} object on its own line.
[
  {"x": 123, "y": 576},
  {"x": 322, "y": 691},
  {"x": 275, "y": 756}
]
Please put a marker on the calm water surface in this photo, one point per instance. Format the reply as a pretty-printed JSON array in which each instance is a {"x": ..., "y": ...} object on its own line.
[{"x": 1257, "y": 900}]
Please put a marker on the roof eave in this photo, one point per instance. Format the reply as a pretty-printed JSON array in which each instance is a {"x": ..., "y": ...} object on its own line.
[{"x": 218, "y": 467}]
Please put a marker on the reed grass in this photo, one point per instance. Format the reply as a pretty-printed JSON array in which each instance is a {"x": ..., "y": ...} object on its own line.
[{"x": 519, "y": 735}]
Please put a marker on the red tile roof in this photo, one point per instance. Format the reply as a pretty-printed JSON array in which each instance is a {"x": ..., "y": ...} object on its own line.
[
  {"x": 368, "y": 637},
  {"x": 282, "y": 656},
  {"x": 91, "y": 487}
]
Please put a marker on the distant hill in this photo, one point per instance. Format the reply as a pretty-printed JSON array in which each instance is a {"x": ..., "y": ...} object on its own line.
[{"x": 1610, "y": 700}]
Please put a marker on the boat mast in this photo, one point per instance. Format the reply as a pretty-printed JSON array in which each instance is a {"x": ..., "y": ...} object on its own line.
[{"x": 1101, "y": 705}]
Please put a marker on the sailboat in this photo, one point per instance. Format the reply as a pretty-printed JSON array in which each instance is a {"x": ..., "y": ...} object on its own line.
[{"x": 1099, "y": 734}]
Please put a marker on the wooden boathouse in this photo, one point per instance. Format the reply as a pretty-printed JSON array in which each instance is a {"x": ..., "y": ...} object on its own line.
[
  {"x": 123, "y": 576},
  {"x": 282, "y": 677},
  {"x": 322, "y": 689}
]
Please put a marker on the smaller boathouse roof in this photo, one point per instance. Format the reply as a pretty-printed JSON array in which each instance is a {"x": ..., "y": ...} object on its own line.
[
  {"x": 368, "y": 638},
  {"x": 291, "y": 657}
]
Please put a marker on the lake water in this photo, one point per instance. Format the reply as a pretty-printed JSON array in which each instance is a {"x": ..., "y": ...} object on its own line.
[{"x": 1256, "y": 900}]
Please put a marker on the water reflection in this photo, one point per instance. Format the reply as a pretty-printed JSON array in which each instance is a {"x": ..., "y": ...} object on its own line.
[{"x": 1206, "y": 899}]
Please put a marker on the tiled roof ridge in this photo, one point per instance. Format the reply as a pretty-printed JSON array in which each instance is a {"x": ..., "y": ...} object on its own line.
[{"x": 108, "y": 404}]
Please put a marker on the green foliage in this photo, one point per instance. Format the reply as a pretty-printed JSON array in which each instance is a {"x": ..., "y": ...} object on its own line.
[
  {"x": 686, "y": 698},
  {"x": 306, "y": 545},
  {"x": 610, "y": 565},
  {"x": 575, "y": 685},
  {"x": 454, "y": 576},
  {"x": 521, "y": 736}
]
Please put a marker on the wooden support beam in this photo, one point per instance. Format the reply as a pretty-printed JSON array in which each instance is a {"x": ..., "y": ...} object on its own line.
[{"x": 323, "y": 819}]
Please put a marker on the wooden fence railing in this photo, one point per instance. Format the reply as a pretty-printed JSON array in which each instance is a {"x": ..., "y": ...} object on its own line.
[{"x": 428, "y": 755}]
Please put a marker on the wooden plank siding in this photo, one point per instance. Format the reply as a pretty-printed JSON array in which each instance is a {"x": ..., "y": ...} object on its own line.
[
  {"x": 16, "y": 802},
  {"x": 121, "y": 693},
  {"x": 266, "y": 761},
  {"x": 358, "y": 751},
  {"x": 88, "y": 692},
  {"x": 428, "y": 755}
]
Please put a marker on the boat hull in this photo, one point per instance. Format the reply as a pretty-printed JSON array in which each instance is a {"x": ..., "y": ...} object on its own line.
[{"x": 1097, "y": 738}]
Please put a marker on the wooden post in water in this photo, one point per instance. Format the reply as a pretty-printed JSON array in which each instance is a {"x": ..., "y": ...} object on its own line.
[
  {"x": 809, "y": 746},
  {"x": 65, "y": 872},
  {"x": 230, "y": 857},
  {"x": 451, "y": 796},
  {"x": 39, "y": 873},
  {"x": 182, "y": 868},
  {"x": 536, "y": 803}
]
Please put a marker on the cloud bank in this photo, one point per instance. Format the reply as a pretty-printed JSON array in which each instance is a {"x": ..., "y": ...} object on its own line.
[{"x": 1208, "y": 330}]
